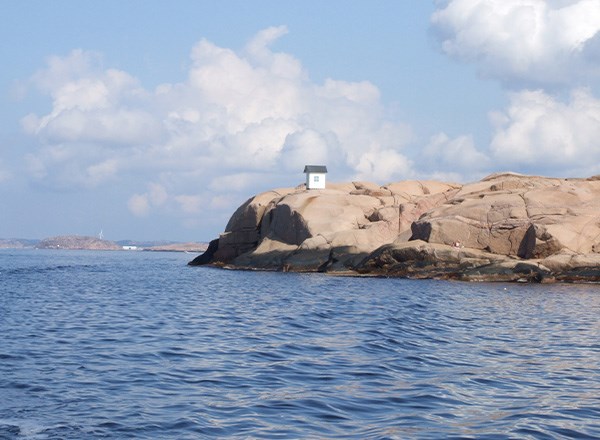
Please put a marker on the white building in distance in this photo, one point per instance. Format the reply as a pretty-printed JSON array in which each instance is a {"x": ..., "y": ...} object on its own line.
[{"x": 315, "y": 176}]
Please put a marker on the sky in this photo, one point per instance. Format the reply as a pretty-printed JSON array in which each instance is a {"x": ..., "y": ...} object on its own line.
[{"x": 154, "y": 120}]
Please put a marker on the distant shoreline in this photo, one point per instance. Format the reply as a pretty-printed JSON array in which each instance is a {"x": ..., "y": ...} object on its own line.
[{"x": 77, "y": 242}]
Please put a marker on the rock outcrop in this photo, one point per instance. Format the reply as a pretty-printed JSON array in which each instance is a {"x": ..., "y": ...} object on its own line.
[
  {"x": 507, "y": 227},
  {"x": 16, "y": 243},
  {"x": 178, "y": 247},
  {"x": 77, "y": 242}
]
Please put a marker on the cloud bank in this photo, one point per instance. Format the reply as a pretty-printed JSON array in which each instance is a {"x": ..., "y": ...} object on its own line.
[
  {"x": 242, "y": 121},
  {"x": 249, "y": 120},
  {"x": 539, "y": 132},
  {"x": 540, "y": 50},
  {"x": 532, "y": 42}
]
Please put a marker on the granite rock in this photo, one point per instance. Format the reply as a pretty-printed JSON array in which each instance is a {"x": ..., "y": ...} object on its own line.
[{"x": 506, "y": 227}]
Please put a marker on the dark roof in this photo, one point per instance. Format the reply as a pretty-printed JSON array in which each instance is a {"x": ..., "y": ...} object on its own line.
[{"x": 315, "y": 169}]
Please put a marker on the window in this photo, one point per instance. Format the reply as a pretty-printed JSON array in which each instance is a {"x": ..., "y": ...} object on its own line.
[{"x": 316, "y": 179}]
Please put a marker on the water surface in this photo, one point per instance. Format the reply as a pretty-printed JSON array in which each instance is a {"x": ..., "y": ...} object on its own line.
[{"x": 138, "y": 345}]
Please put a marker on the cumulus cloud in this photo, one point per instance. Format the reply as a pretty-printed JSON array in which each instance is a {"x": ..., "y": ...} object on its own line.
[
  {"x": 386, "y": 164},
  {"x": 308, "y": 143},
  {"x": 141, "y": 204},
  {"x": 540, "y": 49},
  {"x": 190, "y": 204},
  {"x": 540, "y": 133},
  {"x": 90, "y": 105},
  {"x": 456, "y": 158},
  {"x": 537, "y": 133},
  {"x": 542, "y": 42},
  {"x": 242, "y": 121}
]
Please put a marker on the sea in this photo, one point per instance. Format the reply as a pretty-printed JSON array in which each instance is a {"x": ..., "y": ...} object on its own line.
[{"x": 138, "y": 345}]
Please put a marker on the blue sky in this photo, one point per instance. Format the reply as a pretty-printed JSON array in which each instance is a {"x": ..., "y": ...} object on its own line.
[{"x": 155, "y": 120}]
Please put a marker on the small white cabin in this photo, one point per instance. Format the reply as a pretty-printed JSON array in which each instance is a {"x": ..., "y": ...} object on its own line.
[{"x": 315, "y": 176}]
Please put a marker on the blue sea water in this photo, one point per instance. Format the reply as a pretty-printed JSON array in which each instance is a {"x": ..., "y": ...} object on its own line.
[{"x": 139, "y": 345}]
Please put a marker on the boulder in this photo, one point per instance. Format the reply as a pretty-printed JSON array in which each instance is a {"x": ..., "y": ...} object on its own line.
[
  {"x": 524, "y": 216},
  {"x": 242, "y": 231},
  {"x": 208, "y": 256},
  {"x": 497, "y": 224},
  {"x": 269, "y": 255},
  {"x": 409, "y": 189},
  {"x": 419, "y": 259},
  {"x": 571, "y": 267}
]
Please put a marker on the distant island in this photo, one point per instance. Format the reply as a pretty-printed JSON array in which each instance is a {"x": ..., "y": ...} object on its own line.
[
  {"x": 506, "y": 227},
  {"x": 79, "y": 242},
  {"x": 17, "y": 243}
]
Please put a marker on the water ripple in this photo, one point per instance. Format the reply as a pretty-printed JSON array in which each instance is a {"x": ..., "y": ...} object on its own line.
[{"x": 137, "y": 345}]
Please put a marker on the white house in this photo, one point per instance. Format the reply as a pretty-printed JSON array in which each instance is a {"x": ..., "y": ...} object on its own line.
[{"x": 315, "y": 176}]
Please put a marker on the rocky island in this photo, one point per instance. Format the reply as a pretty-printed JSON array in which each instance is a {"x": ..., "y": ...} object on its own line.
[
  {"x": 17, "y": 243},
  {"x": 77, "y": 242},
  {"x": 506, "y": 227}
]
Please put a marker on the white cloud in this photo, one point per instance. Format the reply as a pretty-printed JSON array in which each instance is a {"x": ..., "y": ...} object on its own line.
[
  {"x": 139, "y": 205},
  {"x": 527, "y": 41},
  {"x": 61, "y": 71},
  {"x": 99, "y": 107},
  {"x": 455, "y": 157},
  {"x": 549, "y": 44},
  {"x": 223, "y": 202},
  {"x": 68, "y": 165},
  {"x": 539, "y": 132},
  {"x": 190, "y": 204},
  {"x": 253, "y": 114},
  {"x": 102, "y": 171},
  {"x": 156, "y": 196},
  {"x": 385, "y": 164},
  {"x": 307, "y": 147}
]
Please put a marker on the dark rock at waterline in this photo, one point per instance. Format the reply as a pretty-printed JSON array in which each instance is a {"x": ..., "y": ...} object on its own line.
[{"x": 207, "y": 256}]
